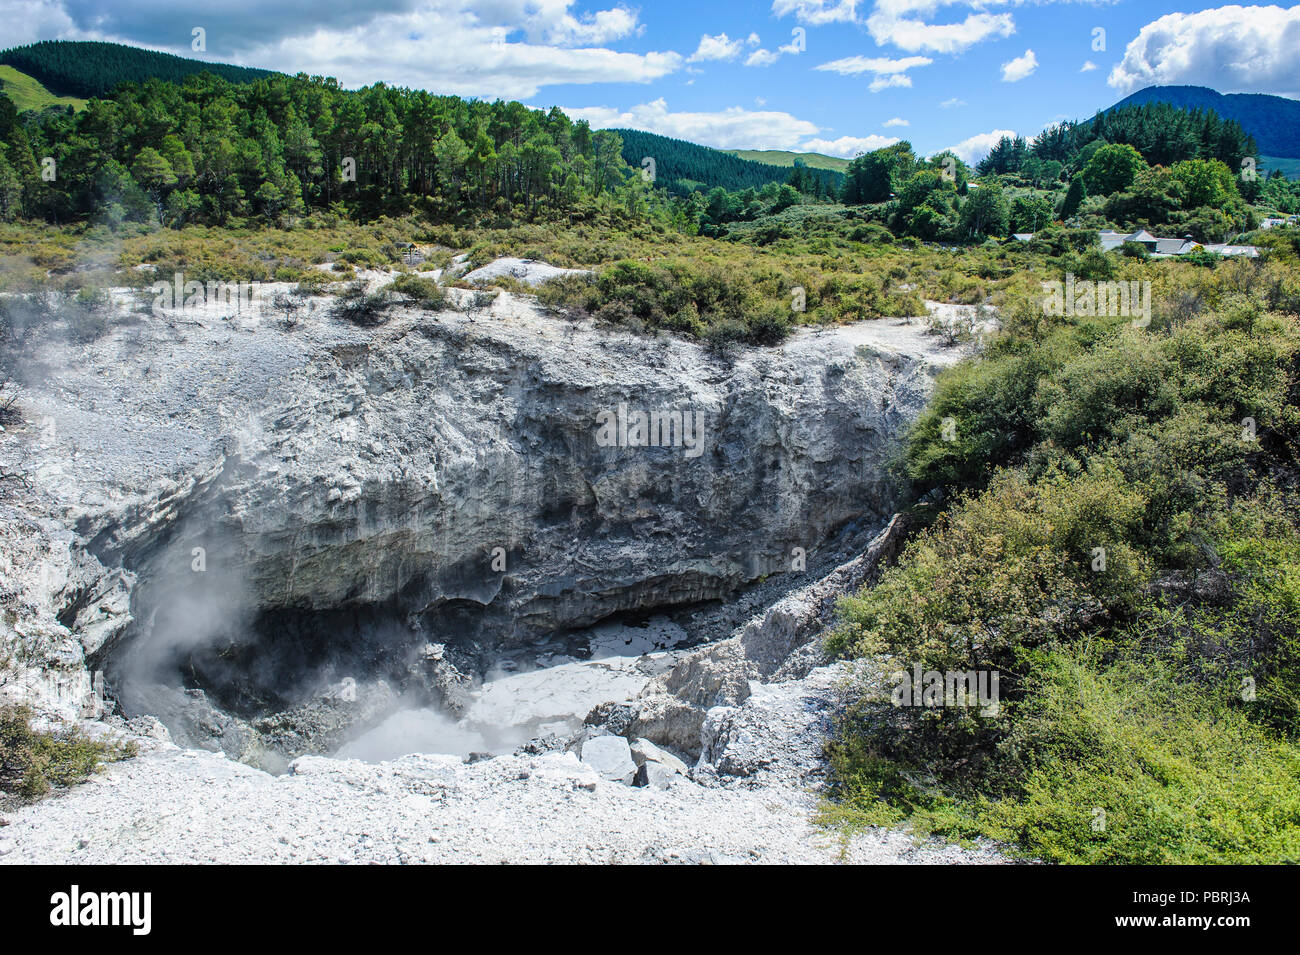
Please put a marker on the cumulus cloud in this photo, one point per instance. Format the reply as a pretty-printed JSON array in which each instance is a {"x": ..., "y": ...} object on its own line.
[
  {"x": 508, "y": 48},
  {"x": 896, "y": 121},
  {"x": 886, "y": 82},
  {"x": 817, "y": 12},
  {"x": 1231, "y": 49},
  {"x": 890, "y": 24},
  {"x": 1088, "y": 66},
  {"x": 1013, "y": 71},
  {"x": 907, "y": 24},
  {"x": 853, "y": 65},
  {"x": 888, "y": 72},
  {"x": 732, "y": 128},
  {"x": 765, "y": 57},
  {"x": 952, "y": 103},
  {"x": 975, "y": 148},
  {"x": 846, "y": 147},
  {"x": 27, "y": 21},
  {"x": 720, "y": 47}
]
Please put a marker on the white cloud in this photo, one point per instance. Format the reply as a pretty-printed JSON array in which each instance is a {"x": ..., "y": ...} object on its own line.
[
  {"x": 505, "y": 48},
  {"x": 549, "y": 21},
  {"x": 1088, "y": 66},
  {"x": 847, "y": 147},
  {"x": 1230, "y": 48},
  {"x": 953, "y": 103},
  {"x": 1013, "y": 71},
  {"x": 912, "y": 34},
  {"x": 27, "y": 21},
  {"x": 907, "y": 24},
  {"x": 888, "y": 72},
  {"x": 817, "y": 12},
  {"x": 975, "y": 148},
  {"x": 720, "y": 47},
  {"x": 889, "y": 81},
  {"x": 764, "y": 57},
  {"x": 896, "y": 121},
  {"x": 732, "y": 128},
  {"x": 853, "y": 65}
]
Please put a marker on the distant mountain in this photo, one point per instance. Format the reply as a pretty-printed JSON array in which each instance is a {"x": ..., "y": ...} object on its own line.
[
  {"x": 781, "y": 157},
  {"x": 86, "y": 68},
  {"x": 682, "y": 166},
  {"x": 1287, "y": 167},
  {"x": 1274, "y": 121}
]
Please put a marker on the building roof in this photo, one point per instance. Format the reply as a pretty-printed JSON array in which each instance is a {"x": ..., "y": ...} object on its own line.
[
  {"x": 1222, "y": 248},
  {"x": 1166, "y": 247},
  {"x": 1173, "y": 246}
]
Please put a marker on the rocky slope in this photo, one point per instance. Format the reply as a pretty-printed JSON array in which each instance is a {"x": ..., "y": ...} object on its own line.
[
  {"x": 298, "y": 536},
  {"x": 602, "y": 795},
  {"x": 211, "y": 488}
]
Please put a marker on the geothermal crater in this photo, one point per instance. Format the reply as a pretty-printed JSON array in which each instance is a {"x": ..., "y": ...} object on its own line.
[{"x": 416, "y": 538}]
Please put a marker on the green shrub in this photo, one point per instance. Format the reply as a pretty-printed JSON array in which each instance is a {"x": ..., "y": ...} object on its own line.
[
  {"x": 1154, "y": 688},
  {"x": 425, "y": 293},
  {"x": 360, "y": 307},
  {"x": 34, "y": 762},
  {"x": 1120, "y": 765}
]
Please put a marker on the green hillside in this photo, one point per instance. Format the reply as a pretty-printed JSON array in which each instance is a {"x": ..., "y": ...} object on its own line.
[
  {"x": 1274, "y": 121},
  {"x": 28, "y": 93},
  {"x": 85, "y": 69},
  {"x": 682, "y": 166},
  {"x": 782, "y": 157}
]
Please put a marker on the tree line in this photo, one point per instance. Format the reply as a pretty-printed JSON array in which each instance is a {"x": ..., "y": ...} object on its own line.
[
  {"x": 1162, "y": 133},
  {"x": 86, "y": 68},
  {"x": 684, "y": 167},
  {"x": 208, "y": 150}
]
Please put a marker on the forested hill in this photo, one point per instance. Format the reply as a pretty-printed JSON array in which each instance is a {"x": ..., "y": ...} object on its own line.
[
  {"x": 681, "y": 166},
  {"x": 86, "y": 68},
  {"x": 282, "y": 146},
  {"x": 1274, "y": 121},
  {"x": 1162, "y": 133}
]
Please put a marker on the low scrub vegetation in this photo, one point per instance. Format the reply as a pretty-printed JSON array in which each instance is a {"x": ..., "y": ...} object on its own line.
[
  {"x": 35, "y": 762},
  {"x": 1119, "y": 543}
]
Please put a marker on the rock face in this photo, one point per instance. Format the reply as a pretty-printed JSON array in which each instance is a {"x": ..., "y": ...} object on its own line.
[
  {"x": 270, "y": 506},
  {"x": 644, "y": 751},
  {"x": 775, "y": 646},
  {"x": 527, "y": 271},
  {"x": 611, "y": 757}
]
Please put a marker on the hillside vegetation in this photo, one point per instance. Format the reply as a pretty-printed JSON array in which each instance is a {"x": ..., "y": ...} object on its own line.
[
  {"x": 86, "y": 68},
  {"x": 1273, "y": 121},
  {"x": 1120, "y": 541},
  {"x": 782, "y": 157},
  {"x": 28, "y": 93},
  {"x": 682, "y": 166}
]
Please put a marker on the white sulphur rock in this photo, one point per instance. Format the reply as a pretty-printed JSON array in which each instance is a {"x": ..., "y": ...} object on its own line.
[{"x": 611, "y": 757}]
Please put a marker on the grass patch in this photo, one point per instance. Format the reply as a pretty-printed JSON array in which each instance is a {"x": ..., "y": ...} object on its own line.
[{"x": 27, "y": 92}]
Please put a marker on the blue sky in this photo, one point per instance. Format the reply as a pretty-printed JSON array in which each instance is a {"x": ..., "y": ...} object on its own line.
[{"x": 834, "y": 76}]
